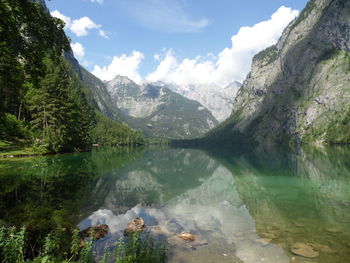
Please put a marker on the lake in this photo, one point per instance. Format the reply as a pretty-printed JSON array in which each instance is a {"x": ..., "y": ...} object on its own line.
[{"x": 243, "y": 205}]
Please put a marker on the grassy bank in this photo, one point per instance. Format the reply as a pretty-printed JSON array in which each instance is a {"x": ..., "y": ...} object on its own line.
[{"x": 16, "y": 149}]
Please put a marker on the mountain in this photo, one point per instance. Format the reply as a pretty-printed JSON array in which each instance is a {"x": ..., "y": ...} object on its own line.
[
  {"x": 159, "y": 111},
  {"x": 155, "y": 111},
  {"x": 298, "y": 90},
  {"x": 218, "y": 100}
]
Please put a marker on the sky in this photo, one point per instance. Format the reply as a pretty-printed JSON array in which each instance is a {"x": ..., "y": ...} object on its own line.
[{"x": 183, "y": 42}]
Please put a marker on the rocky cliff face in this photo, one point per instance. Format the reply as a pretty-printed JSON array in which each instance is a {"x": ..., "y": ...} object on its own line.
[
  {"x": 218, "y": 100},
  {"x": 299, "y": 89},
  {"x": 165, "y": 113}
]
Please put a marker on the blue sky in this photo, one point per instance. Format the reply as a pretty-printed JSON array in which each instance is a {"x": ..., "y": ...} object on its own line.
[{"x": 134, "y": 37}]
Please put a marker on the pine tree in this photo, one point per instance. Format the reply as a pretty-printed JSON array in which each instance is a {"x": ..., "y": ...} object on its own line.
[{"x": 61, "y": 116}]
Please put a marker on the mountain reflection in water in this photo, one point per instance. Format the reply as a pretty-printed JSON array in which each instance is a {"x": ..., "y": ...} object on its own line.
[{"x": 242, "y": 206}]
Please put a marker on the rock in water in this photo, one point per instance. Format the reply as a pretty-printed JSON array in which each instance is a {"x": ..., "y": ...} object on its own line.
[
  {"x": 187, "y": 236},
  {"x": 267, "y": 235},
  {"x": 323, "y": 248},
  {"x": 97, "y": 232},
  {"x": 304, "y": 250},
  {"x": 264, "y": 241},
  {"x": 332, "y": 230},
  {"x": 136, "y": 225}
]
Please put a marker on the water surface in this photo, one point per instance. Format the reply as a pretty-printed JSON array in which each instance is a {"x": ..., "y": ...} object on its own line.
[{"x": 243, "y": 206}]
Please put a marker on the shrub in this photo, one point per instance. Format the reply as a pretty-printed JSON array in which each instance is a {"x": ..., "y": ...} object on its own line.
[
  {"x": 139, "y": 248},
  {"x": 11, "y": 128}
]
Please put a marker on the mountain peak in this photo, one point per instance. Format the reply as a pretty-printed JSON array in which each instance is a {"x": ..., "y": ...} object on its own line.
[{"x": 121, "y": 80}]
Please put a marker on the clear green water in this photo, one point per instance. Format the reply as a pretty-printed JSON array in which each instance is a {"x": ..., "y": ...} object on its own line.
[{"x": 229, "y": 199}]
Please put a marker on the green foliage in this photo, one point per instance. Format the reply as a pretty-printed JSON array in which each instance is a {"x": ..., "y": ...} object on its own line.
[
  {"x": 328, "y": 54},
  {"x": 41, "y": 92},
  {"x": 136, "y": 248},
  {"x": 74, "y": 248},
  {"x": 36, "y": 84},
  {"x": 108, "y": 132},
  {"x": 27, "y": 33},
  {"x": 54, "y": 244},
  {"x": 86, "y": 252},
  {"x": 60, "y": 112},
  {"x": 139, "y": 248},
  {"x": 12, "y": 245},
  {"x": 16, "y": 148},
  {"x": 43, "y": 192},
  {"x": 106, "y": 255},
  {"x": 11, "y": 127}
]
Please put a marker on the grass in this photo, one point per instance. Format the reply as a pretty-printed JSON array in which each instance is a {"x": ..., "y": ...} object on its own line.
[
  {"x": 57, "y": 247},
  {"x": 13, "y": 149}
]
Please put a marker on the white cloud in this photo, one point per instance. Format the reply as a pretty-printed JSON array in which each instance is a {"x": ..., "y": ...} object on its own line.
[
  {"x": 78, "y": 50},
  {"x": 233, "y": 63},
  {"x": 156, "y": 57},
  {"x": 103, "y": 34},
  {"x": 67, "y": 20},
  {"x": 97, "y": 1},
  {"x": 79, "y": 53},
  {"x": 125, "y": 65},
  {"x": 81, "y": 26},
  {"x": 167, "y": 16}
]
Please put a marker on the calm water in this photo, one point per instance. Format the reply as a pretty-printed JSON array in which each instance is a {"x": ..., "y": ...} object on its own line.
[{"x": 243, "y": 206}]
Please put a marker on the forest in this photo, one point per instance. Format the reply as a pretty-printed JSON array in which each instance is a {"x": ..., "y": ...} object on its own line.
[{"x": 43, "y": 103}]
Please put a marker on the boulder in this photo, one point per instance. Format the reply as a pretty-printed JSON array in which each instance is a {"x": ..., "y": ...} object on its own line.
[
  {"x": 304, "y": 250},
  {"x": 97, "y": 232},
  {"x": 136, "y": 225}
]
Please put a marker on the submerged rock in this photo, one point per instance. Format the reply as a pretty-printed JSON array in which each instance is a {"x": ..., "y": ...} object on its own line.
[
  {"x": 304, "y": 250},
  {"x": 136, "y": 225},
  {"x": 299, "y": 224},
  {"x": 187, "y": 240},
  {"x": 264, "y": 241},
  {"x": 174, "y": 226},
  {"x": 323, "y": 248},
  {"x": 187, "y": 236},
  {"x": 332, "y": 230},
  {"x": 268, "y": 235},
  {"x": 97, "y": 232}
]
